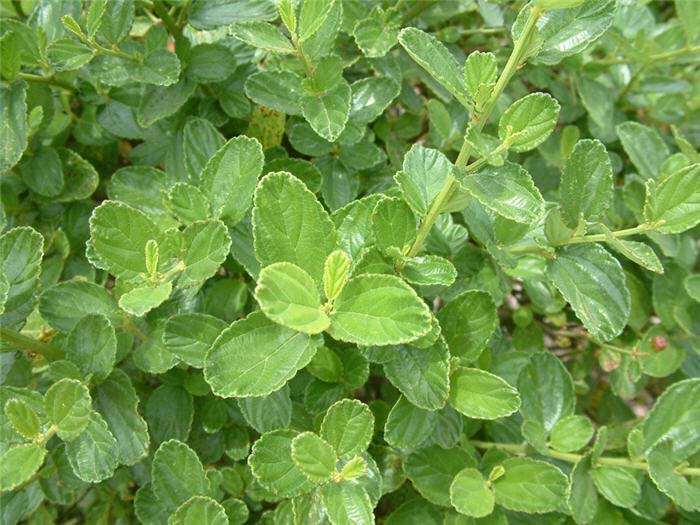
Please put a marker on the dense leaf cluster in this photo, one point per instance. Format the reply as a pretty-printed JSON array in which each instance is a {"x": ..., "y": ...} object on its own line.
[{"x": 345, "y": 262}]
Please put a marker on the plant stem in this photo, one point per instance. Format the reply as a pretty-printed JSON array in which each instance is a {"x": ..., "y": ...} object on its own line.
[
  {"x": 602, "y": 237},
  {"x": 52, "y": 81},
  {"x": 478, "y": 122},
  {"x": 164, "y": 15},
  {"x": 115, "y": 52},
  {"x": 17, "y": 340},
  {"x": 653, "y": 58},
  {"x": 574, "y": 458}
]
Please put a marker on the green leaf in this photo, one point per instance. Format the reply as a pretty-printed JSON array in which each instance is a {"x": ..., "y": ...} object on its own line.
[
  {"x": 116, "y": 400},
  {"x": 593, "y": 283},
  {"x": 267, "y": 413},
  {"x": 199, "y": 510},
  {"x": 23, "y": 418},
  {"x": 110, "y": 21},
  {"x": 675, "y": 200},
  {"x": 314, "y": 457},
  {"x": 582, "y": 499},
  {"x": 189, "y": 336},
  {"x": 347, "y": 504},
  {"x": 480, "y": 72},
  {"x": 348, "y": 426},
  {"x": 94, "y": 454},
  {"x": 674, "y": 417},
  {"x": 375, "y": 36},
  {"x": 255, "y": 356},
  {"x": 289, "y": 296},
  {"x": 177, "y": 475},
  {"x": 118, "y": 237},
  {"x": 435, "y": 58},
  {"x": 644, "y": 146},
  {"x": 207, "y": 245},
  {"x": 43, "y": 172},
  {"x": 312, "y": 15},
  {"x": 290, "y": 225},
  {"x": 425, "y": 172},
  {"x": 547, "y": 390},
  {"x": 586, "y": 182},
  {"x": 378, "y": 310},
  {"x": 692, "y": 286},
  {"x": 142, "y": 299},
  {"x": 278, "y": 90},
  {"x": 618, "y": 485},
  {"x": 216, "y": 13},
  {"x": 230, "y": 176},
  {"x": 21, "y": 251},
  {"x": 92, "y": 346},
  {"x": 432, "y": 469},
  {"x": 571, "y": 433},
  {"x": 18, "y": 463},
  {"x": 65, "y": 304},
  {"x": 470, "y": 495},
  {"x": 200, "y": 142},
  {"x": 393, "y": 224},
  {"x": 335, "y": 273},
  {"x": 68, "y": 406},
  {"x": 481, "y": 395},
  {"x": 428, "y": 270},
  {"x": 327, "y": 113},
  {"x": 663, "y": 474},
  {"x": 169, "y": 412},
  {"x": 407, "y": 426},
  {"x": 262, "y": 35},
  {"x": 422, "y": 375},
  {"x": 635, "y": 251},
  {"x": 67, "y": 54},
  {"x": 370, "y": 97},
  {"x": 530, "y": 486},
  {"x": 508, "y": 190},
  {"x": 532, "y": 118},
  {"x": 273, "y": 467},
  {"x": 188, "y": 203},
  {"x": 467, "y": 323},
  {"x": 13, "y": 132}
]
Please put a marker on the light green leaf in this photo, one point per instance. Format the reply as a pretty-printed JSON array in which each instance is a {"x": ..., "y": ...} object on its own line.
[
  {"x": 207, "y": 245},
  {"x": 421, "y": 374},
  {"x": 379, "y": 310},
  {"x": 66, "y": 303},
  {"x": 289, "y": 296},
  {"x": 117, "y": 402},
  {"x": 480, "y": 71},
  {"x": 393, "y": 224},
  {"x": 22, "y": 417},
  {"x": 674, "y": 417},
  {"x": 159, "y": 102},
  {"x": 508, "y": 190},
  {"x": 425, "y": 172},
  {"x": 532, "y": 117},
  {"x": 278, "y": 90},
  {"x": 177, "y": 475},
  {"x": 21, "y": 252},
  {"x": 18, "y": 463},
  {"x": 189, "y": 336},
  {"x": 675, "y": 200},
  {"x": 67, "y": 54},
  {"x": 267, "y": 413},
  {"x": 335, "y": 273},
  {"x": 327, "y": 113},
  {"x": 618, "y": 485},
  {"x": 262, "y": 35},
  {"x": 94, "y": 454},
  {"x": 348, "y": 426},
  {"x": 547, "y": 390},
  {"x": 199, "y": 510},
  {"x": 92, "y": 346},
  {"x": 659, "y": 355},
  {"x": 370, "y": 97},
  {"x": 200, "y": 141},
  {"x": 635, "y": 251},
  {"x": 571, "y": 433},
  {"x": 582, "y": 500},
  {"x": 644, "y": 146},
  {"x": 347, "y": 503},
  {"x": 13, "y": 132},
  {"x": 593, "y": 283},
  {"x": 467, "y": 323},
  {"x": 188, "y": 203},
  {"x": 110, "y": 21},
  {"x": 289, "y": 224},
  {"x": 586, "y": 182},
  {"x": 375, "y": 36},
  {"x": 142, "y": 299},
  {"x": 432, "y": 469},
  {"x": 429, "y": 270},
  {"x": 530, "y": 486},
  {"x": 667, "y": 480},
  {"x": 481, "y": 395},
  {"x": 470, "y": 495},
  {"x": 230, "y": 176},
  {"x": 692, "y": 286},
  {"x": 314, "y": 457},
  {"x": 435, "y": 58},
  {"x": 312, "y": 15},
  {"x": 68, "y": 406},
  {"x": 255, "y": 356},
  {"x": 271, "y": 463},
  {"x": 407, "y": 426},
  {"x": 215, "y": 13}
]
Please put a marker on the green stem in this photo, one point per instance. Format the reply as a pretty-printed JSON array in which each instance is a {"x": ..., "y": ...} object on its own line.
[
  {"x": 574, "y": 458},
  {"x": 20, "y": 341},
  {"x": 52, "y": 81},
  {"x": 478, "y": 122},
  {"x": 115, "y": 52},
  {"x": 654, "y": 58},
  {"x": 621, "y": 350},
  {"x": 602, "y": 237},
  {"x": 164, "y": 15}
]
